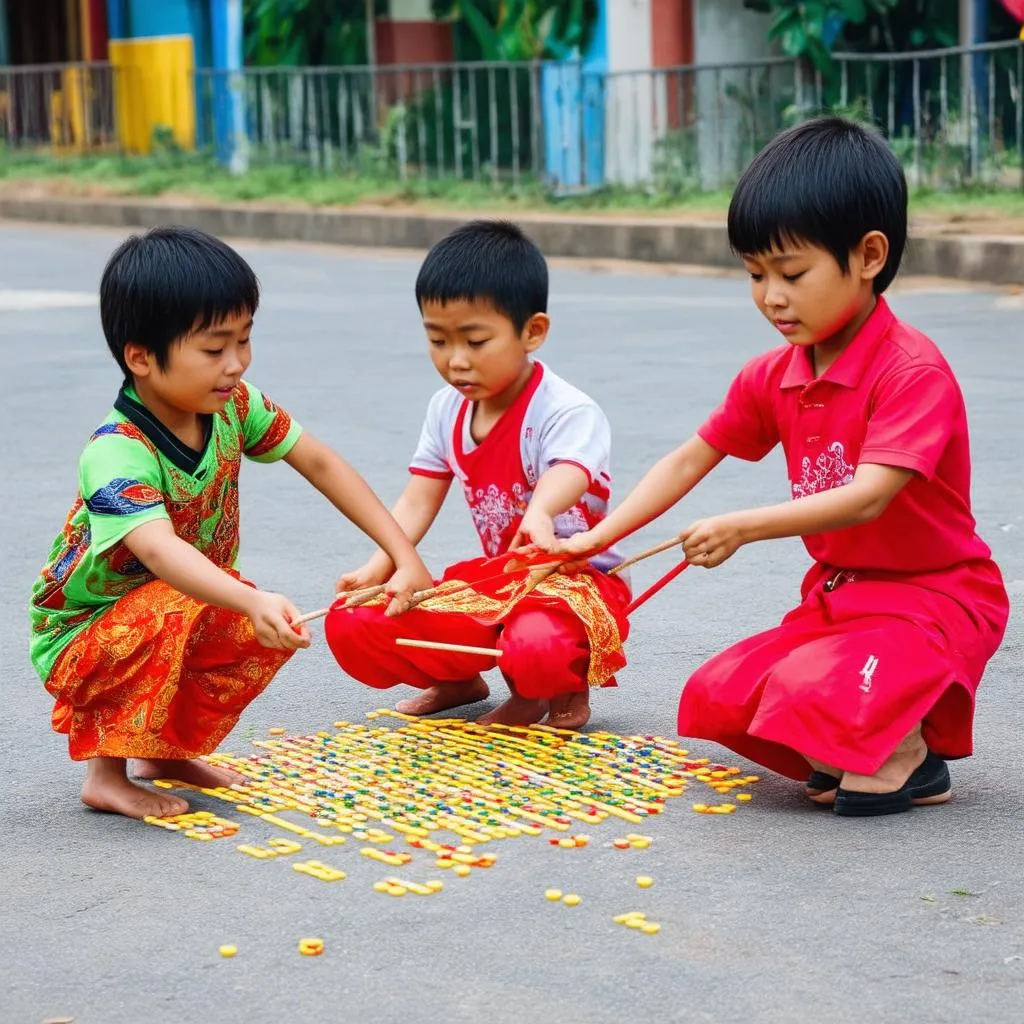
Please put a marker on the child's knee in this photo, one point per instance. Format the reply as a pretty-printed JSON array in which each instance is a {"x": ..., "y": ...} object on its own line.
[{"x": 543, "y": 656}]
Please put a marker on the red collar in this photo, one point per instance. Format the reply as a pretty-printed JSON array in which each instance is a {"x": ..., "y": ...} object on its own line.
[{"x": 849, "y": 369}]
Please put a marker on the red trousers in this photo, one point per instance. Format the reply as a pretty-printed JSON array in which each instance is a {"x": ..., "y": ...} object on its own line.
[
  {"x": 545, "y": 650},
  {"x": 849, "y": 673}
]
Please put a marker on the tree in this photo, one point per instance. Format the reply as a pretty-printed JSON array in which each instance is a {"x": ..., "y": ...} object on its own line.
[
  {"x": 296, "y": 33},
  {"x": 523, "y": 30}
]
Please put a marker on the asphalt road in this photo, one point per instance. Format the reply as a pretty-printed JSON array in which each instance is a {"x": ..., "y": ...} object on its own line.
[{"x": 779, "y": 913}]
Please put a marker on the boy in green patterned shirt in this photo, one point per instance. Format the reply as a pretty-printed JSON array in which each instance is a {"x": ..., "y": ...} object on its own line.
[{"x": 142, "y": 628}]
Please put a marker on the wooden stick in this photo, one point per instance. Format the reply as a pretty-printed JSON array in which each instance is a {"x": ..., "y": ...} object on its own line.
[
  {"x": 433, "y": 645},
  {"x": 656, "y": 550},
  {"x": 310, "y": 616},
  {"x": 355, "y": 598}
]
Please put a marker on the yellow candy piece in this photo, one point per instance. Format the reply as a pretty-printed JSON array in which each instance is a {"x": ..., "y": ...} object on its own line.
[
  {"x": 311, "y": 947},
  {"x": 644, "y": 882},
  {"x": 635, "y": 922},
  {"x": 633, "y": 915},
  {"x": 572, "y": 900},
  {"x": 462, "y": 870},
  {"x": 228, "y": 951},
  {"x": 275, "y": 732},
  {"x": 381, "y": 887},
  {"x": 553, "y": 894},
  {"x": 744, "y": 797},
  {"x": 650, "y": 928},
  {"x": 700, "y": 808}
]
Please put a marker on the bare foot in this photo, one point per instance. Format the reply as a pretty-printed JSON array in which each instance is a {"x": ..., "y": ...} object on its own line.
[
  {"x": 107, "y": 788},
  {"x": 441, "y": 698},
  {"x": 569, "y": 711},
  {"x": 194, "y": 772},
  {"x": 515, "y": 711},
  {"x": 905, "y": 760},
  {"x": 819, "y": 793}
]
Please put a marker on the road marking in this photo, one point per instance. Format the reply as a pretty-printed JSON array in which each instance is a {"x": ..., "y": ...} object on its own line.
[{"x": 32, "y": 301}]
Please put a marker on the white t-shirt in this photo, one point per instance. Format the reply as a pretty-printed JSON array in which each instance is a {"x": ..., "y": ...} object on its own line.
[{"x": 560, "y": 424}]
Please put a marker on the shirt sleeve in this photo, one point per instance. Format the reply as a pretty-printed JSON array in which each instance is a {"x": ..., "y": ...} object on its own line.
[
  {"x": 744, "y": 425},
  {"x": 431, "y": 455},
  {"x": 121, "y": 485},
  {"x": 268, "y": 432},
  {"x": 912, "y": 419},
  {"x": 580, "y": 435}
]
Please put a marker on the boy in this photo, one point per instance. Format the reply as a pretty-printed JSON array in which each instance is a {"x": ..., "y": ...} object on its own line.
[
  {"x": 531, "y": 453},
  {"x": 869, "y": 684},
  {"x": 142, "y": 629}
]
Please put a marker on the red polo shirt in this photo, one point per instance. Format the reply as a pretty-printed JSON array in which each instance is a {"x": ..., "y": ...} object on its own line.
[{"x": 889, "y": 399}]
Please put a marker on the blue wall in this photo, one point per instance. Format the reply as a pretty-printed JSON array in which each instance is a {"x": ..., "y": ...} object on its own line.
[
  {"x": 572, "y": 99},
  {"x": 214, "y": 44}
]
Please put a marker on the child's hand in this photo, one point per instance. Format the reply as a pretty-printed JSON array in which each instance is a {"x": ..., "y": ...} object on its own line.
[
  {"x": 536, "y": 530},
  {"x": 272, "y": 616},
  {"x": 403, "y": 585},
  {"x": 709, "y": 542},
  {"x": 372, "y": 574}
]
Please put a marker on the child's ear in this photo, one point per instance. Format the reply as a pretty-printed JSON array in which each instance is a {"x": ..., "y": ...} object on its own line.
[
  {"x": 535, "y": 331},
  {"x": 138, "y": 359},
  {"x": 874, "y": 251}
]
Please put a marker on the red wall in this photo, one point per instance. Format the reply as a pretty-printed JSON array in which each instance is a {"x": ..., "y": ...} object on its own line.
[
  {"x": 672, "y": 46},
  {"x": 411, "y": 42}
]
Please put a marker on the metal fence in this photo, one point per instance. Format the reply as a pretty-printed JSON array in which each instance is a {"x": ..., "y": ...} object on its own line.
[
  {"x": 66, "y": 107},
  {"x": 954, "y": 117}
]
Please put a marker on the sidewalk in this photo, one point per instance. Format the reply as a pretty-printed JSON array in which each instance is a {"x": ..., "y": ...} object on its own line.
[{"x": 990, "y": 259}]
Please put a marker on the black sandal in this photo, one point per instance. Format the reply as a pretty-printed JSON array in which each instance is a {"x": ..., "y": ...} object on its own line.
[
  {"x": 820, "y": 782},
  {"x": 929, "y": 783}
]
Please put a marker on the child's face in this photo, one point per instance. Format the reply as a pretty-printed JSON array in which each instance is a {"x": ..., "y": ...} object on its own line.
[
  {"x": 806, "y": 295},
  {"x": 202, "y": 370},
  {"x": 478, "y": 350}
]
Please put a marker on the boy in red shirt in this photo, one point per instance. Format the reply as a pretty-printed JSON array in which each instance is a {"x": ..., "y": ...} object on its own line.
[
  {"x": 868, "y": 684},
  {"x": 531, "y": 453}
]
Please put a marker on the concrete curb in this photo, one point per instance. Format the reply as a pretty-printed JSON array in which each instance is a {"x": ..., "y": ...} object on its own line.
[{"x": 997, "y": 260}]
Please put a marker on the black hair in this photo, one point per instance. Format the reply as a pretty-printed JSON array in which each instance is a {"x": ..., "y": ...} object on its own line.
[
  {"x": 828, "y": 182},
  {"x": 161, "y": 286},
  {"x": 491, "y": 261}
]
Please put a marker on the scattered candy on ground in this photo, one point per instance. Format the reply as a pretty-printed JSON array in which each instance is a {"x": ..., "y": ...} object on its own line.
[
  {"x": 479, "y": 784},
  {"x": 203, "y": 825},
  {"x": 638, "y": 922}
]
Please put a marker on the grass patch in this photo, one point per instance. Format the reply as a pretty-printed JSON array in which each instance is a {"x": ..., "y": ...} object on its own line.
[{"x": 178, "y": 174}]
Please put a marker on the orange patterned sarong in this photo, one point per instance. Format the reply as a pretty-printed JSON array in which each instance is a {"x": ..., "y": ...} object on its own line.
[{"x": 159, "y": 675}]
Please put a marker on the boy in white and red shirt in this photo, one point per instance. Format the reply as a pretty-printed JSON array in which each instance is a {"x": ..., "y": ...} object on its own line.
[
  {"x": 531, "y": 454},
  {"x": 866, "y": 687}
]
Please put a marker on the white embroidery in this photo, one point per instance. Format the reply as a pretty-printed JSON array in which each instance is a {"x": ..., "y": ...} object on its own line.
[
  {"x": 830, "y": 469},
  {"x": 867, "y": 672},
  {"x": 494, "y": 512}
]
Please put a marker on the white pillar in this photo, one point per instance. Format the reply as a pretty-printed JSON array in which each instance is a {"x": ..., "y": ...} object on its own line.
[{"x": 629, "y": 114}]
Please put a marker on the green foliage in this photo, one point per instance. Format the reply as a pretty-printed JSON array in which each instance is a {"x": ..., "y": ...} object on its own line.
[
  {"x": 808, "y": 28},
  {"x": 523, "y": 30},
  {"x": 298, "y": 33}
]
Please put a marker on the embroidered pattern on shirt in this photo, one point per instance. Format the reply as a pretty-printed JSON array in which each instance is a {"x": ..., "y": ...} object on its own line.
[
  {"x": 830, "y": 469},
  {"x": 494, "y": 512}
]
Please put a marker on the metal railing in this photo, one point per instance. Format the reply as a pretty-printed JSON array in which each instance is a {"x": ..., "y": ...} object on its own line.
[
  {"x": 954, "y": 117},
  {"x": 69, "y": 107}
]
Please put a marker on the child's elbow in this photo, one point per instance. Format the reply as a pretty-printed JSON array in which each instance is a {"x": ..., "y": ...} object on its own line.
[{"x": 872, "y": 506}]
